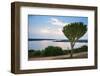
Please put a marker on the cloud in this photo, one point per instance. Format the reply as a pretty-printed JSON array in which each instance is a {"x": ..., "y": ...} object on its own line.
[
  {"x": 50, "y": 31},
  {"x": 55, "y": 21},
  {"x": 55, "y": 30}
]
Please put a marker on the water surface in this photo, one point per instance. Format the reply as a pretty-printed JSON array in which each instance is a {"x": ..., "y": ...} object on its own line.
[{"x": 42, "y": 44}]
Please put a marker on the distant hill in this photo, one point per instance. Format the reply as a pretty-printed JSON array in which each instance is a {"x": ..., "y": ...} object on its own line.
[
  {"x": 68, "y": 41},
  {"x": 39, "y": 39},
  {"x": 55, "y": 40}
]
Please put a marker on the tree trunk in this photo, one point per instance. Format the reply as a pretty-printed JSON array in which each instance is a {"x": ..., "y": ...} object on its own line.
[{"x": 71, "y": 53}]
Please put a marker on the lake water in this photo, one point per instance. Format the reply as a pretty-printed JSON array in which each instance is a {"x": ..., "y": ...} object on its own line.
[{"x": 39, "y": 45}]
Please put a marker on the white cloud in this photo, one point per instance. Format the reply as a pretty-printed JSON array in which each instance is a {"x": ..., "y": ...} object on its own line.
[
  {"x": 48, "y": 30},
  {"x": 58, "y": 30},
  {"x": 55, "y": 21}
]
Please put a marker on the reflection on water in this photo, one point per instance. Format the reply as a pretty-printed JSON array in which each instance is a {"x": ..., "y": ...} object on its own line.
[{"x": 39, "y": 45}]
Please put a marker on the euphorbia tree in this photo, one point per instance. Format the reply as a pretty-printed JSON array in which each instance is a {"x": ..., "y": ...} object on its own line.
[{"x": 74, "y": 31}]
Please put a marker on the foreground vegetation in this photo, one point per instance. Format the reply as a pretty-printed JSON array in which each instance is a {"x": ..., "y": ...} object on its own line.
[{"x": 54, "y": 51}]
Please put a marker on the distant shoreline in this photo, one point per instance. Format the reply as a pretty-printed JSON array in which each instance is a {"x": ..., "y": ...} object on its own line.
[{"x": 55, "y": 40}]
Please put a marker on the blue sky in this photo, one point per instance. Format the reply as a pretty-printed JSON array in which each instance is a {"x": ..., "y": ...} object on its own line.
[{"x": 40, "y": 26}]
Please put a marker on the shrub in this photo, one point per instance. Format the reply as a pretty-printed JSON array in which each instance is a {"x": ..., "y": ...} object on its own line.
[
  {"x": 52, "y": 51},
  {"x": 81, "y": 49},
  {"x": 66, "y": 51},
  {"x": 37, "y": 53},
  {"x": 33, "y": 53},
  {"x": 77, "y": 50},
  {"x": 30, "y": 52}
]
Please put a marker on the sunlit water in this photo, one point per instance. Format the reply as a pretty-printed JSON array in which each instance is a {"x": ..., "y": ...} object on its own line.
[{"x": 39, "y": 45}]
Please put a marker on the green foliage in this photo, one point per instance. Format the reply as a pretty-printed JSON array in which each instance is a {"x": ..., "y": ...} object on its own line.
[
  {"x": 37, "y": 53},
  {"x": 78, "y": 50},
  {"x": 52, "y": 51},
  {"x": 34, "y": 53},
  {"x": 74, "y": 31},
  {"x": 81, "y": 49},
  {"x": 31, "y": 52},
  {"x": 66, "y": 51},
  {"x": 48, "y": 51}
]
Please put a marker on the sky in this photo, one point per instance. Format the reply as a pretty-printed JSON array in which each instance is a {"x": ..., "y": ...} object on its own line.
[{"x": 50, "y": 27}]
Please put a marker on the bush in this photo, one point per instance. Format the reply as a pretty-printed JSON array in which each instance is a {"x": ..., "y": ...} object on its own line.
[
  {"x": 37, "y": 53},
  {"x": 67, "y": 51},
  {"x": 30, "y": 52},
  {"x": 52, "y": 51},
  {"x": 77, "y": 50},
  {"x": 81, "y": 49},
  {"x": 33, "y": 53}
]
